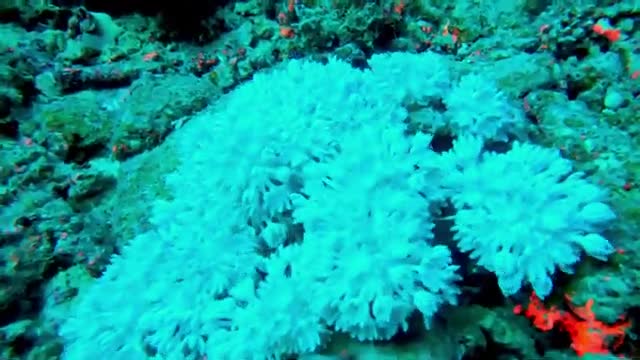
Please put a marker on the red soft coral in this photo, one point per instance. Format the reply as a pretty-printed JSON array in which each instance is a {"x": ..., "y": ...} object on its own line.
[{"x": 588, "y": 335}]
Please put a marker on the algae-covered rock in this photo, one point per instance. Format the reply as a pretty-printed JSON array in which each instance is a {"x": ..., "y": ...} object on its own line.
[{"x": 80, "y": 120}]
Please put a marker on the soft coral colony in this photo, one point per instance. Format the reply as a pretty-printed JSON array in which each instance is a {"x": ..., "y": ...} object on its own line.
[{"x": 304, "y": 207}]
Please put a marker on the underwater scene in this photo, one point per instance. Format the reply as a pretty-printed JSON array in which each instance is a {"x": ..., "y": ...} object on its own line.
[{"x": 319, "y": 180}]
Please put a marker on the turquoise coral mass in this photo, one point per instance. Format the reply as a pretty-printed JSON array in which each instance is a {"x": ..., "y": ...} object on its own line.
[{"x": 302, "y": 206}]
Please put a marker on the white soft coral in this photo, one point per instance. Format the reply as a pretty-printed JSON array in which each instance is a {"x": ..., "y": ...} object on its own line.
[
  {"x": 523, "y": 213},
  {"x": 366, "y": 217}
]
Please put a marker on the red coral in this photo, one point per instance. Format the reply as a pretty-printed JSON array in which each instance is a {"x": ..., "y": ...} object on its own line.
[{"x": 588, "y": 335}]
